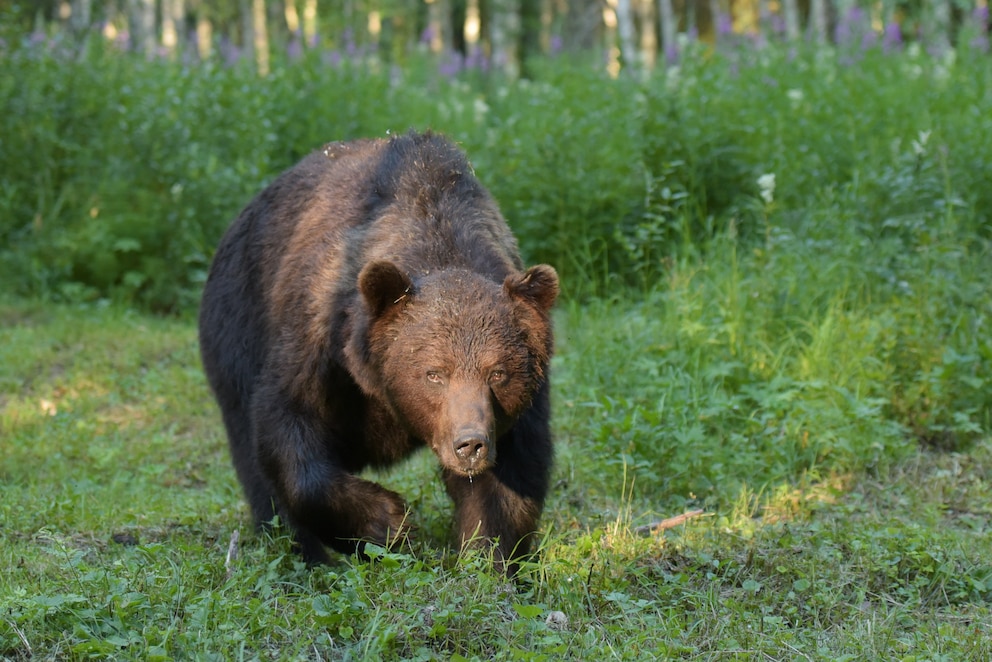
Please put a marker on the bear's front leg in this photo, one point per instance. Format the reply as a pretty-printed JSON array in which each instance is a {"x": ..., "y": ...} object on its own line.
[
  {"x": 488, "y": 510},
  {"x": 505, "y": 503},
  {"x": 323, "y": 503}
]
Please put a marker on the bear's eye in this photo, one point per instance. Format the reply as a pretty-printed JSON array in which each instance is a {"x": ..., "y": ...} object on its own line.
[
  {"x": 434, "y": 377},
  {"x": 497, "y": 376}
]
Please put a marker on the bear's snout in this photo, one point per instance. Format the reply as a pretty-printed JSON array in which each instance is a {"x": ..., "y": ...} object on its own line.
[{"x": 471, "y": 449}]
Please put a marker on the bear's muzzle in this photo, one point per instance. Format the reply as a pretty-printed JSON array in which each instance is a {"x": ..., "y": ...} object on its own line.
[{"x": 472, "y": 451}]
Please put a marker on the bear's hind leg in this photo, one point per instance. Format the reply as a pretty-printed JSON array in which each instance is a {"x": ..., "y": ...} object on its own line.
[{"x": 245, "y": 458}]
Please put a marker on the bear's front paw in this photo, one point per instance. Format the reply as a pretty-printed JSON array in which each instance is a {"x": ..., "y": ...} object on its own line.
[{"x": 385, "y": 519}]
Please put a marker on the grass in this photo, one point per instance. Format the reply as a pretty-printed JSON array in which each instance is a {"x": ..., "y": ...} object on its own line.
[{"x": 119, "y": 505}]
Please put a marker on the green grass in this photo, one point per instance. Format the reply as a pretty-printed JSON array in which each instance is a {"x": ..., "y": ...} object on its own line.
[{"x": 119, "y": 504}]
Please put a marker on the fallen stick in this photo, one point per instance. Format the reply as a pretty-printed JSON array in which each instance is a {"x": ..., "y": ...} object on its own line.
[{"x": 669, "y": 523}]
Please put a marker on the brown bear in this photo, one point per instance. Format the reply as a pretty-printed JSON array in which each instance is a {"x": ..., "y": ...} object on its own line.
[{"x": 371, "y": 301}]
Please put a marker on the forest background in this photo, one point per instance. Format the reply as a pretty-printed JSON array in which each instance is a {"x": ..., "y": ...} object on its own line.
[{"x": 772, "y": 223}]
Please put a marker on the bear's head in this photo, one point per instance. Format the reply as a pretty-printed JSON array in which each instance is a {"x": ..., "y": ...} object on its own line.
[{"x": 456, "y": 356}]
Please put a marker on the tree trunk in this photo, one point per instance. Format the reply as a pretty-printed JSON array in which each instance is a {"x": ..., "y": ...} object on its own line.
[
  {"x": 939, "y": 37},
  {"x": 818, "y": 21},
  {"x": 716, "y": 20},
  {"x": 439, "y": 30},
  {"x": 504, "y": 32},
  {"x": 472, "y": 29},
  {"x": 204, "y": 36},
  {"x": 583, "y": 24},
  {"x": 669, "y": 29},
  {"x": 292, "y": 18},
  {"x": 173, "y": 16},
  {"x": 649, "y": 35},
  {"x": 141, "y": 25},
  {"x": 790, "y": 12},
  {"x": 79, "y": 20},
  {"x": 310, "y": 22},
  {"x": 625, "y": 31}
]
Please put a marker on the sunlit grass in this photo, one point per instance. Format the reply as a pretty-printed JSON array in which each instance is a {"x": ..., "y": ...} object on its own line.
[{"x": 119, "y": 505}]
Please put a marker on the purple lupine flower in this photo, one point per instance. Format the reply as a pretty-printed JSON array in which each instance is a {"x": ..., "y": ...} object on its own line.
[
  {"x": 294, "y": 49},
  {"x": 229, "y": 51},
  {"x": 350, "y": 47},
  {"x": 758, "y": 40},
  {"x": 36, "y": 39},
  {"x": 477, "y": 60},
  {"x": 672, "y": 54},
  {"x": 331, "y": 58},
  {"x": 868, "y": 40},
  {"x": 849, "y": 26},
  {"x": 555, "y": 44},
  {"x": 778, "y": 24},
  {"x": 724, "y": 24},
  {"x": 980, "y": 17},
  {"x": 451, "y": 64},
  {"x": 122, "y": 40},
  {"x": 892, "y": 37},
  {"x": 427, "y": 36},
  {"x": 842, "y": 32},
  {"x": 980, "y": 42}
]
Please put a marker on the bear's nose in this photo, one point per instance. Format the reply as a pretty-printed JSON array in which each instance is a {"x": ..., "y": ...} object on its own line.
[{"x": 471, "y": 449}]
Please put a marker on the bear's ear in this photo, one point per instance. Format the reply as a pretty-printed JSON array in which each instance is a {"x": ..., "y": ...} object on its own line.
[
  {"x": 539, "y": 284},
  {"x": 382, "y": 284}
]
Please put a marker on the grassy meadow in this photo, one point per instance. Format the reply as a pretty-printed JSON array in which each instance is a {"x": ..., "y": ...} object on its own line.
[{"x": 777, "y": 310}]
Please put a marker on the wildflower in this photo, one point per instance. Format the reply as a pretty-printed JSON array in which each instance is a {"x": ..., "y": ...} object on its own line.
[
  {"x": 892, "y": 38},
  {"x": 766, "y": 187},
  {"x": 920, "y": 144}
]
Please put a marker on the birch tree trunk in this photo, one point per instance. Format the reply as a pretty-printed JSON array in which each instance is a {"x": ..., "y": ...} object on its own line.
[
  {"x": 790, "y": 12},
  {"x": 583, "y": 23},
  {"x": 173, "y": 15},
  {"x": 437, "y": 12},
  {"x": 625, "y": 30},
  {"x": 79, "y": 20},
  {"x": 715, "y": 20},
  {"x": 260, "y": 29},
  {"x": 292, "y": 18},
  {"x": 204, "y": 36},
  {"x": 649, "y": 37},
  {"x": 141, "y": 25},
  {"x": 938, "y": 36},
  {"x": 818, "y": 21},
  {"x": 504, "y": 29},
  {"x": 310, "y": 22},
  {"x": 472, "y": 30},
  {"x": 669, "y": 29}
]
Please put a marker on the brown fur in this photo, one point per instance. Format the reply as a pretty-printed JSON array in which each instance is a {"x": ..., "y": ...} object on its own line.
[{"x": 369, "y": 302}]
